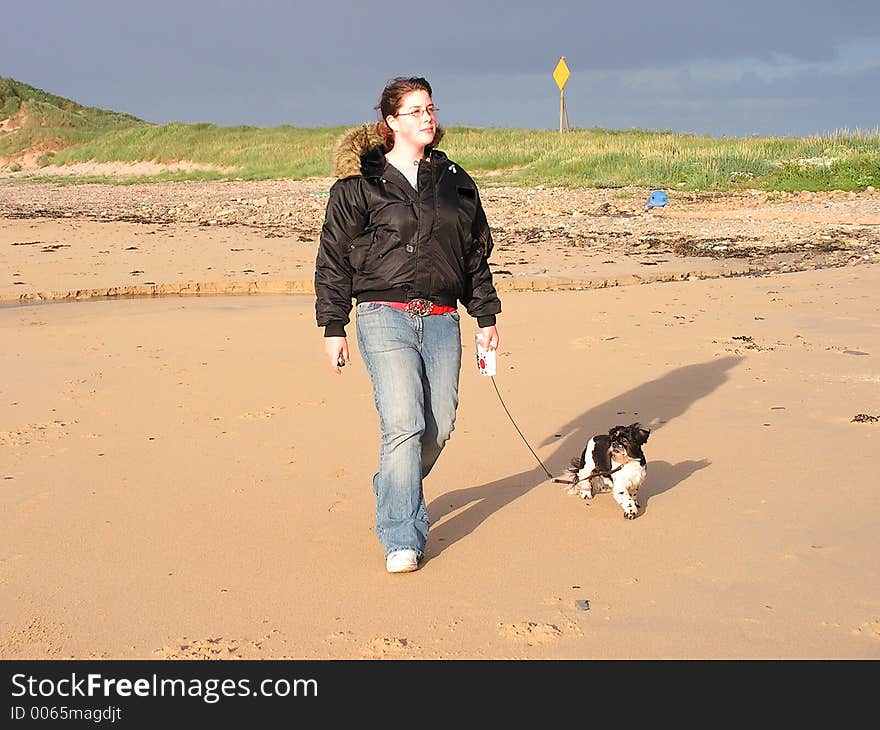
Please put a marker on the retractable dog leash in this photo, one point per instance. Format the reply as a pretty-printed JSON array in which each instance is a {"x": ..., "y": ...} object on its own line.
[
  {"x": 596, "y": 471},
  {"x": 549, "y": 475}
]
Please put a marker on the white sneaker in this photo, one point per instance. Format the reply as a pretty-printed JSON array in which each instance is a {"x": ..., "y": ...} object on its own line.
[{"x": 402, "y": 561}]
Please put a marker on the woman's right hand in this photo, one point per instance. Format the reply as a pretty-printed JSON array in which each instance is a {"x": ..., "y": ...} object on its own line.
[{"x": 336, "y": 350}]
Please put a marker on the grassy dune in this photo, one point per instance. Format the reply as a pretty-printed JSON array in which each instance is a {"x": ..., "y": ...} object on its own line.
[
  {"x": 605, "y": 158},
  {"x": 44, "y": 122},
  {"x": 68, "y": 132},
  {"x": 251, "y": 153}
]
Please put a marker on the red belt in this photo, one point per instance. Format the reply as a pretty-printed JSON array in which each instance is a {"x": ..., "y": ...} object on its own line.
[{"x": 421, "y": 307}]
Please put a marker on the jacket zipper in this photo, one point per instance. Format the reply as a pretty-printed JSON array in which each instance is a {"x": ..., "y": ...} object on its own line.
[{"x": 411, "y": 203}]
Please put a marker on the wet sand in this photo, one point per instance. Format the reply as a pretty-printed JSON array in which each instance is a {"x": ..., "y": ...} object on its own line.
[{"x": 182, "y": 478}]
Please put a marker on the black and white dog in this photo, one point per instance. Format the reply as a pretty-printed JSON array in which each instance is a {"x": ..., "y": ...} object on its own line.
[{"x": 614, "y": 461}]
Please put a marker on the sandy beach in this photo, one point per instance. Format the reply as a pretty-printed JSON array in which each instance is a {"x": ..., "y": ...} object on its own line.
[{"x": 183, "y": 478}]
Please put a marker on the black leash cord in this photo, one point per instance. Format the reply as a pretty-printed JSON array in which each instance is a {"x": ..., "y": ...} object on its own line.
[{"x": 517, "y": 429}]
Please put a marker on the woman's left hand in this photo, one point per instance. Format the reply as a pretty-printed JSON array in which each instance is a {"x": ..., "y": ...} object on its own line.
[{"x": 489, "y": 337}]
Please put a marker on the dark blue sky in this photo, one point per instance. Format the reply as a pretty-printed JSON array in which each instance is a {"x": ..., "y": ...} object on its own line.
[{"x": 718, "y": 68}]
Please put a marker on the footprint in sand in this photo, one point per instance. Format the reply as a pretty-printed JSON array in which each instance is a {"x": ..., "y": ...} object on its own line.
[
  {"x": 383, "y": 646},
  {"x": 871, "y": 629},
  {"x": 340, "y": 636},
  {"x": 34, "y": 433},
  {"x": 37, "y": 639},
  {"x": 217, "y": 648},
  {"x": 530, "y": 632}
]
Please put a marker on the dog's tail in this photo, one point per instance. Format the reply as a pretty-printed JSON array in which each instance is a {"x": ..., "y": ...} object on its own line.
[
  {"x": 577, "y": 463},
  {"x": 570, "y": 475}
]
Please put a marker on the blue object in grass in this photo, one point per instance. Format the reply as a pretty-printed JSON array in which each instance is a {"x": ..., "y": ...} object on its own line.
[{"x": 657, "y": 199}]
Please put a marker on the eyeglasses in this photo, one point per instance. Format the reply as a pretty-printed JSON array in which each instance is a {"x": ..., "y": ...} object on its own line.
[{"x": 417, "y": 113}]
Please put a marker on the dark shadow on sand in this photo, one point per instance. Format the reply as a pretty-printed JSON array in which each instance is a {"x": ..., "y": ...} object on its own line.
[
  {"x": 665, "y": 476},
  {"x": 667, "y": 397}
]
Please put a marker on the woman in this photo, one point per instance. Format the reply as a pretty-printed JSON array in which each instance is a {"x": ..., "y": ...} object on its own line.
[{"x": 405, "y": 235}]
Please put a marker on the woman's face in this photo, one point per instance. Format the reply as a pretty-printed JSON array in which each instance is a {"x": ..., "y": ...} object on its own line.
[{"x": 414, "y": 124}]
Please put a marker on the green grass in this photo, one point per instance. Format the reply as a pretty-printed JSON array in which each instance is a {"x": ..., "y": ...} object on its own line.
[
  {"x": 52, "y": 121},
  {"x": 248, "y": 153},
  {"x": 603, "y": 158},
  {"x": 844, "y": 160}
]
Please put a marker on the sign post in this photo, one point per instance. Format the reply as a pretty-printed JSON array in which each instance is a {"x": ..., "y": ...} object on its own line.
[{"x": 560, "y": 76}]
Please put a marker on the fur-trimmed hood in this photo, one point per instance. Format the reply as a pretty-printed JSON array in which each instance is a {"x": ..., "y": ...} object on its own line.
[{"x": 359, "y": 151}]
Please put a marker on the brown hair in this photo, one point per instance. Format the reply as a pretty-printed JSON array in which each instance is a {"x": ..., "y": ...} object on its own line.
[{"x": 389, "y": 103}]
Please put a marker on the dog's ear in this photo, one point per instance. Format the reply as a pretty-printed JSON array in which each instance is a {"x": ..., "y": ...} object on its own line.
[{"x": 641, "y": 434}]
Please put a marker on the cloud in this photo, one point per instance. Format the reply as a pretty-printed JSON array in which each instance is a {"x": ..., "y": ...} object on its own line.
[{"x": 752, "y": 66}]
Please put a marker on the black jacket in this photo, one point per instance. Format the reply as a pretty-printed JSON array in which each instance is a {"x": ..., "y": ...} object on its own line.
[{"x": 384, "y": 241}]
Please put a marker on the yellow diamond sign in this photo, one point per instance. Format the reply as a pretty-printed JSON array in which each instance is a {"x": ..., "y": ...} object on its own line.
[{"x": 561, "y": 73}]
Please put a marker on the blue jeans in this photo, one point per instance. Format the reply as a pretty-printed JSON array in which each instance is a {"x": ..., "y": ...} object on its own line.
[{"x": 414, "y": 364}]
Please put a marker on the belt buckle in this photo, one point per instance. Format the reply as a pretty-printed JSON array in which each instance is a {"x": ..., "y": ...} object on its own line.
[{"x": 420, "y": 307}]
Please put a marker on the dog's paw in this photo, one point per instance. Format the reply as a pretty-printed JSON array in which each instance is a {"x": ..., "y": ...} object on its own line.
[
  {"x": 631, "y": 513},
  {"x": 585, "y": 493}
]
